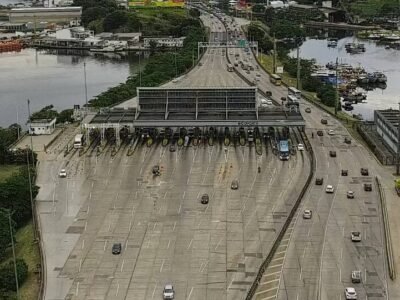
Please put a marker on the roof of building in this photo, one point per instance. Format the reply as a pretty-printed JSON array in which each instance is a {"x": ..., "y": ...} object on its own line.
[
  {"x": 41, "y": 121},
  {"x": 128, "y": 34},
  {"x": 46, "y": 9},
  {"x": 105, "y": 35},
  {"x": 391, "y": 116}
]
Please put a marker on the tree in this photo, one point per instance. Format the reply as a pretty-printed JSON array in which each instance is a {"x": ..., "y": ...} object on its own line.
[
  {"x": 5, "y": 236},
  {"x": 92, "y": 14},
  {"x": 115, "y": 20},
  {"x": 46, "y": 112},
  {"x": 194, "y": 12},
  {"x": 65, "y": 116},
  {"x": 327, "y": 94},
  {"x": 286, "y": 29},
  {"x": 7, "y": 275},
  {"x": 153, "y": 46}
]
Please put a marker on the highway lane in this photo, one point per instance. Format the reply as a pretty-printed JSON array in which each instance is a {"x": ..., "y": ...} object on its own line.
[{"x": 168, "y": 236}]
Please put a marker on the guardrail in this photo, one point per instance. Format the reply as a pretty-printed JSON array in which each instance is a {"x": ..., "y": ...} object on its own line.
[
  {"x": 388, "y": 239},
  {"x": 278, "y": 239}
]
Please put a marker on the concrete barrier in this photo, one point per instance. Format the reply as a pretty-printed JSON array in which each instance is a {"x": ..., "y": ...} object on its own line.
[{"x": 386, "y": 227}]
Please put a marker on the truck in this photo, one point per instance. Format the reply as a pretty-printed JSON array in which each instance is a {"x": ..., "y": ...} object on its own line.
[
  {"x": 284, "y": 150},
  {"x": 79, "y": 141}
]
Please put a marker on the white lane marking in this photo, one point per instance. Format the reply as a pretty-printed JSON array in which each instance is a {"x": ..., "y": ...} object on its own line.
[
  {"x": 264, "y": 291},
  {"x": 122, "y": 265},
  {"x": 116, "y": 293},
  {"x": 154, "y": 291},
  {"x": 83, "y": 244},
  {"x": 190, "y": 244},
  {"x": 105, "y": 245},
  {"x": 173, "y": 229},
  {"x": 126, "y": 245},
  {"x": 169, "y": 242},
  {"x": 340, "y": 274},
  {"x": 217, "y": 244},
  {"x": 80, "y": 265},
  {"x": 162, "y": 265},
  {"x": 85, "y": 226},
  {"x": 190, "y": 294},
  {"x": 77, "y": 289},
  {"x": 269, "y": 281}
]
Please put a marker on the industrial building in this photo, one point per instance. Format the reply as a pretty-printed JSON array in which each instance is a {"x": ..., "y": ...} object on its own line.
[
  {"x": 42, "y": 126},
  {"x": 63, "y": 15},
  {"x": 387, "y": 122},
  {"x": 164, "y": 42}
]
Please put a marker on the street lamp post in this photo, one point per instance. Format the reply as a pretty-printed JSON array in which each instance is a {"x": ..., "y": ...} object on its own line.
[
  {"x": 13, "y": 251},
  {"x": 86, "y": 96}
]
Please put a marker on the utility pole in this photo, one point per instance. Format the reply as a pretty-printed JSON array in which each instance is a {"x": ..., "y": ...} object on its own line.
[
  {"x": 398, "y": 145},
  {"x": 337, "y": 87},
  {"x": 140, "y": 70},
  {"x": 29, "y": 114},
  {"x": 13, "y": 250},
  {"x": 298, "y": 67},
  {"x": 274, "y": 58},
  {"x": 86, "y": 97},
  {"x": 31, "y": 198}
]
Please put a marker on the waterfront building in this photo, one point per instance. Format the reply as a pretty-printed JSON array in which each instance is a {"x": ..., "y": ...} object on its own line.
[
  {"x": 42, "y": 126},
  {"x": 60, "y": 15},
  {"x": 169, "y": 42},
  {"x": 387, "y": 122},
  {"x": 75, "y": 37}
]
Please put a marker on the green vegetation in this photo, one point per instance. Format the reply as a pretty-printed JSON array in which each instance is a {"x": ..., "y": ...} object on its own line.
[
  {"x": 161, "y": 67},
  {"x": 15, "y": 203},
  {"x": 374, "y": 8},
  {"x": 48, "y": 112}
]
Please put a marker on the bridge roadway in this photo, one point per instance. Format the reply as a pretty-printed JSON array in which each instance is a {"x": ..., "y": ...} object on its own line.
[{"x": 207, "y": 251}]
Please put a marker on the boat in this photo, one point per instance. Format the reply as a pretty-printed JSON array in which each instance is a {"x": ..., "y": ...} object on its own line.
[
  {"x": 109, "y": 48},
  {"x": 392, "y": 37},
  {"x": 374, "y": 36},
  {"x": 363, "y": 80},
  {"x": 332, "y": 42},
  {"x": 355, "y": 48},
  {"x": 380, "y": 77}
]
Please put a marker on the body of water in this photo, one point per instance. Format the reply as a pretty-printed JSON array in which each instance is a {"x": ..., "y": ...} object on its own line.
[
  {"x": 47, "y": 77},
  {"x": 375, "y": 58}
]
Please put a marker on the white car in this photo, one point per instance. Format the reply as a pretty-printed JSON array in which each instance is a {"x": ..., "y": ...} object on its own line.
[
  {"x": 168, "y": 292},
  {"x": 331, "y": 132},
  {"x": 350, "y": 293},
  {"x": 307, "y": 214},
  {"x": 300, "y": 147},
  {"x": 62, "y": 173},
  {"x": 329, "y": 189}
]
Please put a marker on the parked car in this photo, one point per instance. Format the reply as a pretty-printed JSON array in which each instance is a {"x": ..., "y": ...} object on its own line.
[
  {"x": 364, "y": 172},
  {"x": 329, "y": 189},
  {"x": 324, "y": 121},
  {"x": 350, "y": 195},
  {"x": 331, "y": 132},
  {"x": 347, "y": 140},
  {"x": 308, "y": 110},
  {"x": 204, "y": 199},
  {"x": 320, "y": 133},
  {"x": 116, "y": 248},
  {"x": 172, "y": 148},
  {"x": 332, "y": 153},
  {"x": 356, "y": 236},
  {"x": 319, "y": 181},
  {"x": 63, "y": 173},
  {"x": 235, "y": 184},
  {"x": 368, "y": 187},
  {"x": 356, "y": 276},
  {"x": 307, "y": 214},
  {"x": 300, "y": 147},
  {"x": 345, "y": 172},
  {"x": 350, "y": 293},
  {"x": 168, "y": 292}
]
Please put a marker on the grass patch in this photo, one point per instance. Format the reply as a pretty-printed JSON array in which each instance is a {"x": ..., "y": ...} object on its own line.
[
  {"x": 7, "y": 170},
  {"x": 26, "y": 249}
]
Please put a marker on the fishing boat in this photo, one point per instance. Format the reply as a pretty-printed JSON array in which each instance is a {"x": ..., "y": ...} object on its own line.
[
  {"x": 392, "y": 37},
  {"x": 332, "y": 42},
  {"x": 380, "y": 77}
]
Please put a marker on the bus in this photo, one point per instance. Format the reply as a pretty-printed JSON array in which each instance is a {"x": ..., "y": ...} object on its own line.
[
  {"x": 79, "y": 141},
  {"x": 276, "y": 79},
  {"x": 292, "y": 100},
  {"x": 284, "y": 150},
  {"x": 294, "y": 92},
  {"x": 229, "y": 67}
]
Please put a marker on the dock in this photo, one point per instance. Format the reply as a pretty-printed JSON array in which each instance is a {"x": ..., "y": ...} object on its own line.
[{"x": 343, "y": 26}]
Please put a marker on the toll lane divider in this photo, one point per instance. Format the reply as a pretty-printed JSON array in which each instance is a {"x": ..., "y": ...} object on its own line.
[
  {"x": 278, "y": 239},
  {"x": 386, "y": 227}
]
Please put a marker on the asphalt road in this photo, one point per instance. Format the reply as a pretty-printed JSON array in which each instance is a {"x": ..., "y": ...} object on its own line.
[{"x": 206, "y": 251}]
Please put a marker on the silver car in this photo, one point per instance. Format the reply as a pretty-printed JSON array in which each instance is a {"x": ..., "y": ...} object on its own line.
[
  {"x": 307, "y": 214},
  {"x": 356, "y": 236}
]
